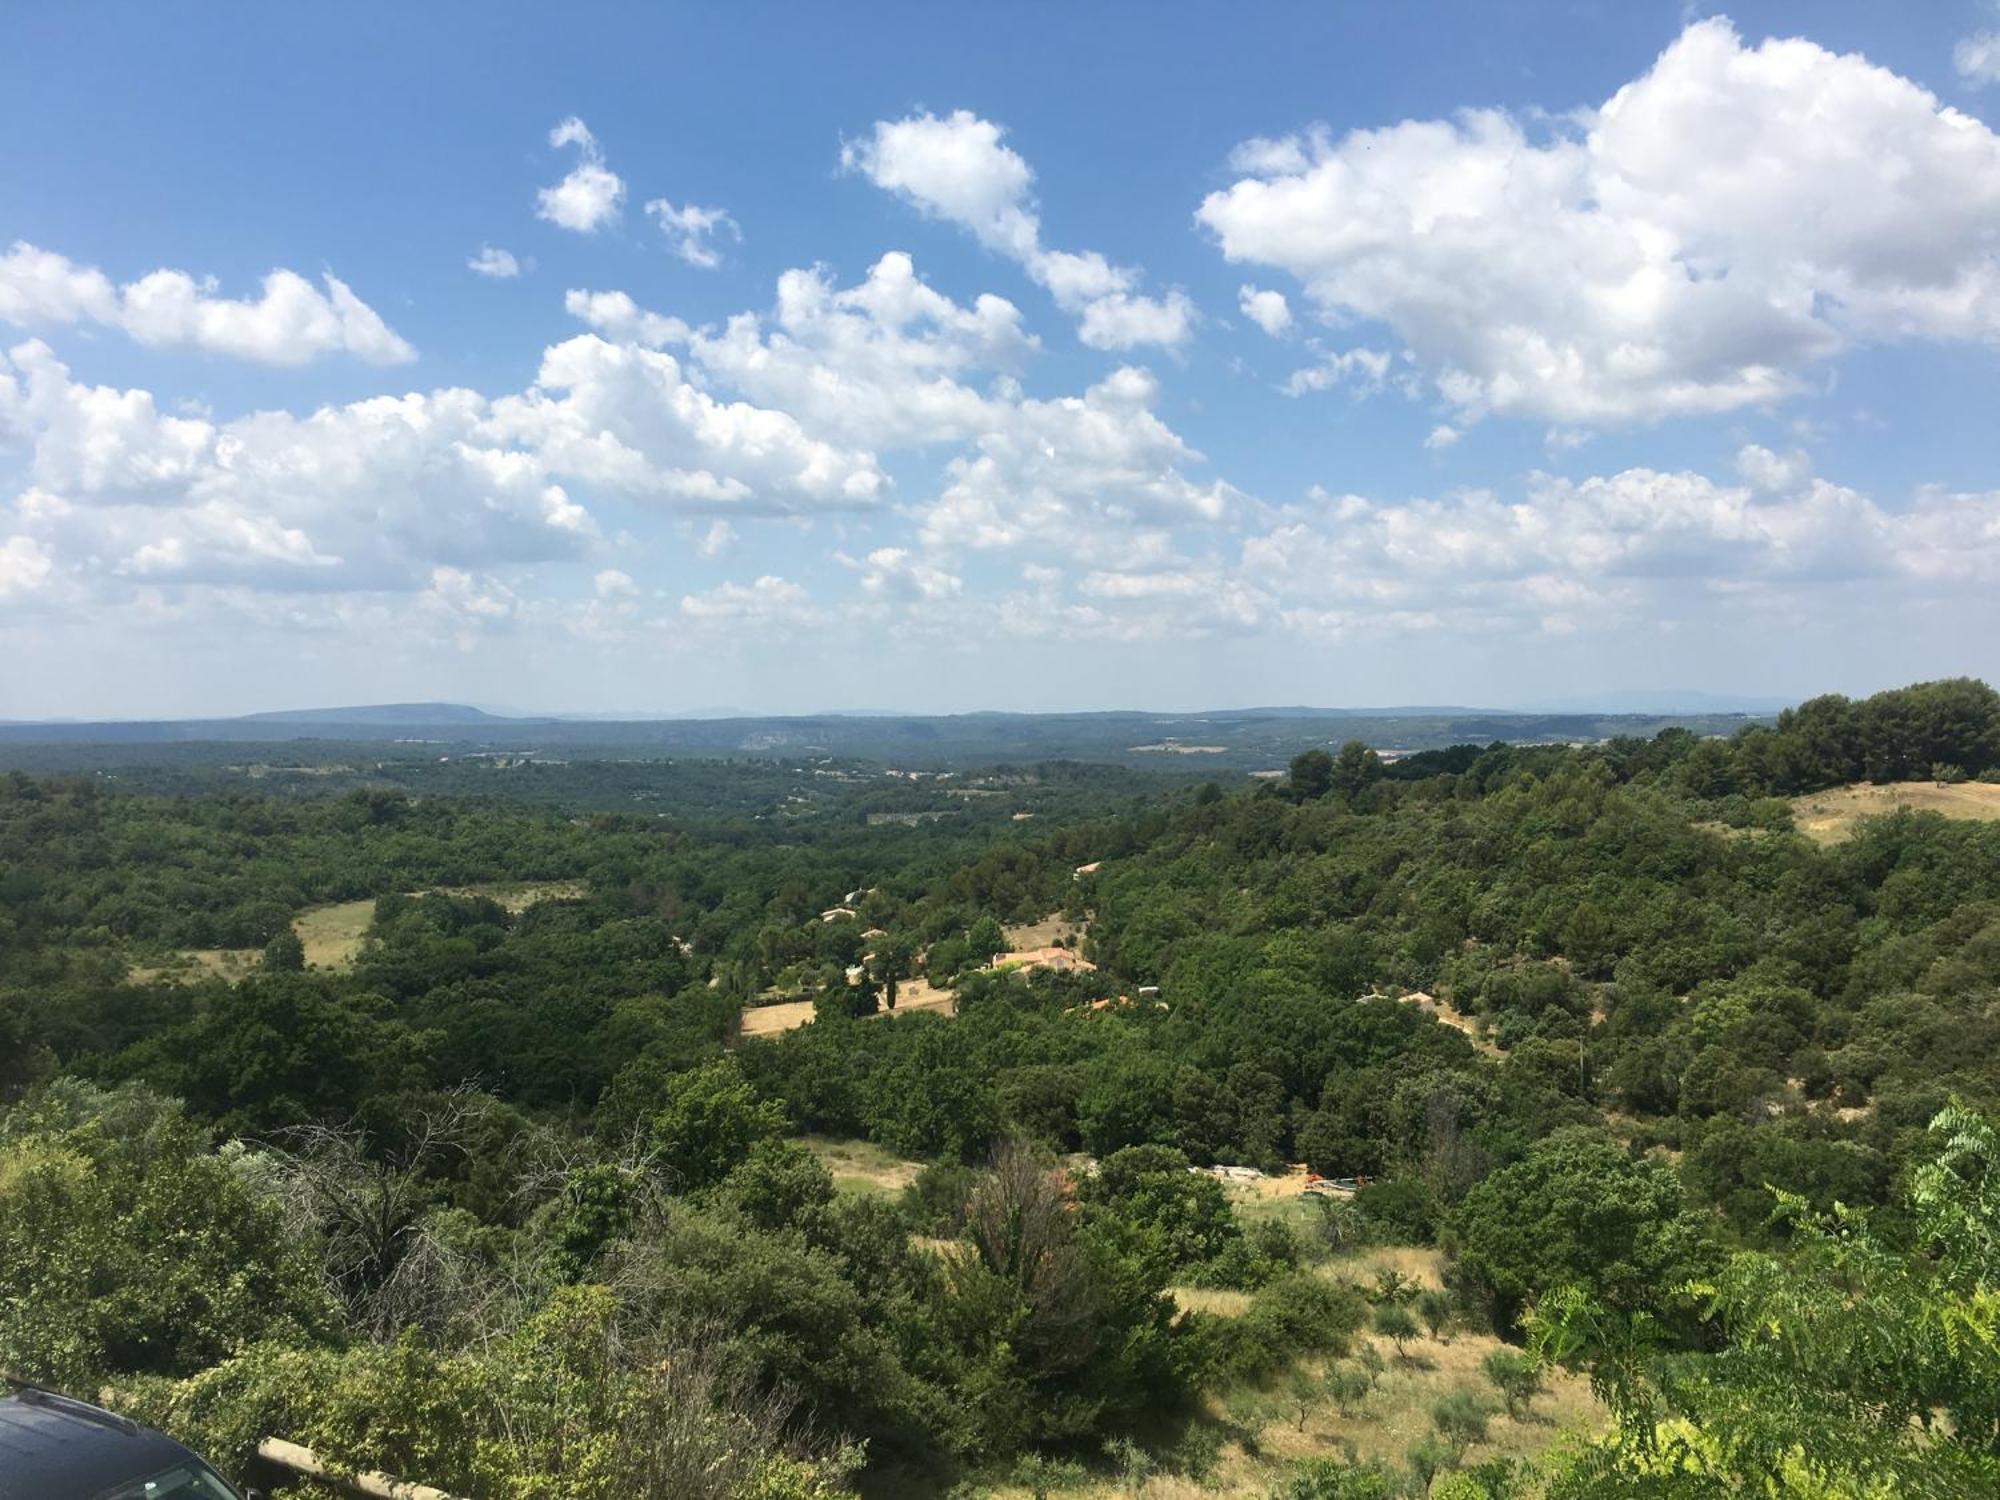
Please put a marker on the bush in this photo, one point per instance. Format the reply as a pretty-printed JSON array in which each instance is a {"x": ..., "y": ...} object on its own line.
[
  {"x": 1396, "y": 1323},
  {"x": 1429, "y": 1457},
  {"x": 1041, "y": 1476},
  {"x": 1434, "y": 1308},
  {"x": 1460, "y": 1418},
  {"x": 285, "y": 954},
  {"x": 1295, "y": 1315},
  {"x": 557, "y": 1410},
  {"x": 1405, "y": 1210},
  {"x": 1517, "y": 1376},
  {"x": 1349, "y": 1386},
  {"x": 1248, "y": 1261},
  {"x": 935, "y": 1203},
  {"x": 1341, "y": 1225},
  {"x": 128, "y": 1246},
  {"x": 1334, "y": 1479}
]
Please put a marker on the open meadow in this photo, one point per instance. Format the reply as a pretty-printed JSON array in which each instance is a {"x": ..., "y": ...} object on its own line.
[{"x": 1830, "y": 816}]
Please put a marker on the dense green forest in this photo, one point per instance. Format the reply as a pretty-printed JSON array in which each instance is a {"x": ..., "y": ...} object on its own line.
[{"x": 1684, "y": 1101}]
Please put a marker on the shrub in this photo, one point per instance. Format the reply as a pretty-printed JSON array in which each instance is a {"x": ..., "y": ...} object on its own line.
[
  {"x": 1405, "y": 1210},
  {"x": 1295, "y": 1315},
  {"x": 1396, "y": 1323},
  {"x": 1517, "y": 1376},
  {"x": 1349, "y": 1385},
  {"x": 1434, "y": 1308},
  {"x": 1334, "y": 1479},
  {"x": 935, "y": 1203},
  {"x": 1340, "y": 1225},
  {"x": 1460, "y": 1418},
  {"x": 1041, "y": 1476}
]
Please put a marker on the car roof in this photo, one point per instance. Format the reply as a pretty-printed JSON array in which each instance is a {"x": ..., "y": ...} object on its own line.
[{"x": 56, "y": 1448}]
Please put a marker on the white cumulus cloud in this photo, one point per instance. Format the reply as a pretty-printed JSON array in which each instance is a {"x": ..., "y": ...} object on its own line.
[
  {"x": 24, "y": 566},
  {"x": 1977, "y": 58},
  {"x": 1267, "y": 309},
  {"x": 1365, "y": 369},
  {"x": 896, "y": 572},
  {"x": 495, "y": 264},
  {"x": 1696, "y": 243},
  {"x": 768, "y": 600},
  {"x": 959, "y": 168},
  {"x": 292, "y": 322},
  {"x": 692, "y": 230},
  {"x": 881, "y": 364},
  {"x": 588, "y": 198}
]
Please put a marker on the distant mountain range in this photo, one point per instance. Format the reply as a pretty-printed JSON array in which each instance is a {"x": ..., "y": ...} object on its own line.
[
  {"x": 381, "y": 713},
  {"x": 1233, "y": 739},
  {"x": 438, "y": 715},
  {"x": 1668, "y": 701}
]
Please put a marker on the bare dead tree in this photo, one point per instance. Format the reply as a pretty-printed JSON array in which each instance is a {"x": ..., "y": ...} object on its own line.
[
  {"x": 365, "y": 1210},
  {"x": 1022, "y": 1224}
]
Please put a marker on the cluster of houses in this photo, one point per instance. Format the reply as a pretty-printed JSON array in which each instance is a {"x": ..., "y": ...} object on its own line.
[{"x": 1062, "y": 960}]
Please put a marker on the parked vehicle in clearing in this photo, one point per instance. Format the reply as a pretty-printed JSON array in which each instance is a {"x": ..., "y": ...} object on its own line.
[{"x": 55, "y": 1447}]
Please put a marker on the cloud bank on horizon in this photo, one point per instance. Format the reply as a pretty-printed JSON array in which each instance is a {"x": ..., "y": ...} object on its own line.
[{"x": 973, "y": 482}]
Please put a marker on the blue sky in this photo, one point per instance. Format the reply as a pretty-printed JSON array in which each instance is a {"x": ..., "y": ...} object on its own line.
[{"x": 937, "y": 358}]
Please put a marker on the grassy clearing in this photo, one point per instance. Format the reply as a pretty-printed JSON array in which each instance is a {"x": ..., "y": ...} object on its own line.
[
  {"x": 516, "y": 896},
  {"x": 1398, "y": 1413},
  {"x": 1267, "y": 1429},
  {"x": 1414, "y": 1262},
  {"x": 1274, "y": 1198},
  {"x": 770, "y": 1020},
  {"x": 1829, "y": 817},
  {"x": 1219, "y": 1301},
  {"x": 862, "y": 1166},
  {"x": 334, "y": 935},
  {"x": 912, "y": 995},
  {"x": 1043, "y": 934},
  {"x": 1265, "y": 1433},
  {"x": 190, "y": 965}
]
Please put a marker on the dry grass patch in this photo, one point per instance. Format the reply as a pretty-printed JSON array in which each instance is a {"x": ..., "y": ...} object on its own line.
[
  {"x": 1398, "y": 1412},
  {"x": 1043, "y": 934},
  {"x": 1413, "y": 1262},
  {"x": 516, "y": 896},
  {"x": 922, "y": 995},
  {"x": 333, "y": 935},
  {"x": 862, "y": 1166},
  {"x": 1265, "y": 1420},
  {"x": 1220, "y": 1301},
  {"x": 189, "y": 965},
  {"x": 770, "y": 1020},
  {"x": 1829, "y": 817},
  {"x": 1384, "y": 1426},
  {"x": 912, "y": 995}
]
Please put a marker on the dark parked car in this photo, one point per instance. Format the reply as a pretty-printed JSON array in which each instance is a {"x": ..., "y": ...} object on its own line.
[{"x": 55, "y": 1447}]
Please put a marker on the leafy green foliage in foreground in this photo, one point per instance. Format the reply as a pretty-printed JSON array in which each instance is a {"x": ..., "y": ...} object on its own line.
[{"x": 1847, "y": 1367}]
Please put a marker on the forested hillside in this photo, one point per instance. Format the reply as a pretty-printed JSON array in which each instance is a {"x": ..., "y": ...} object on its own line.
[{"x": 504, "y": 1201}]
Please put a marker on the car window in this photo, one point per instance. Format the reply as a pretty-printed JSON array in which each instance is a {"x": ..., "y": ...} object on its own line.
[{"x": 189, "y": 1481}]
